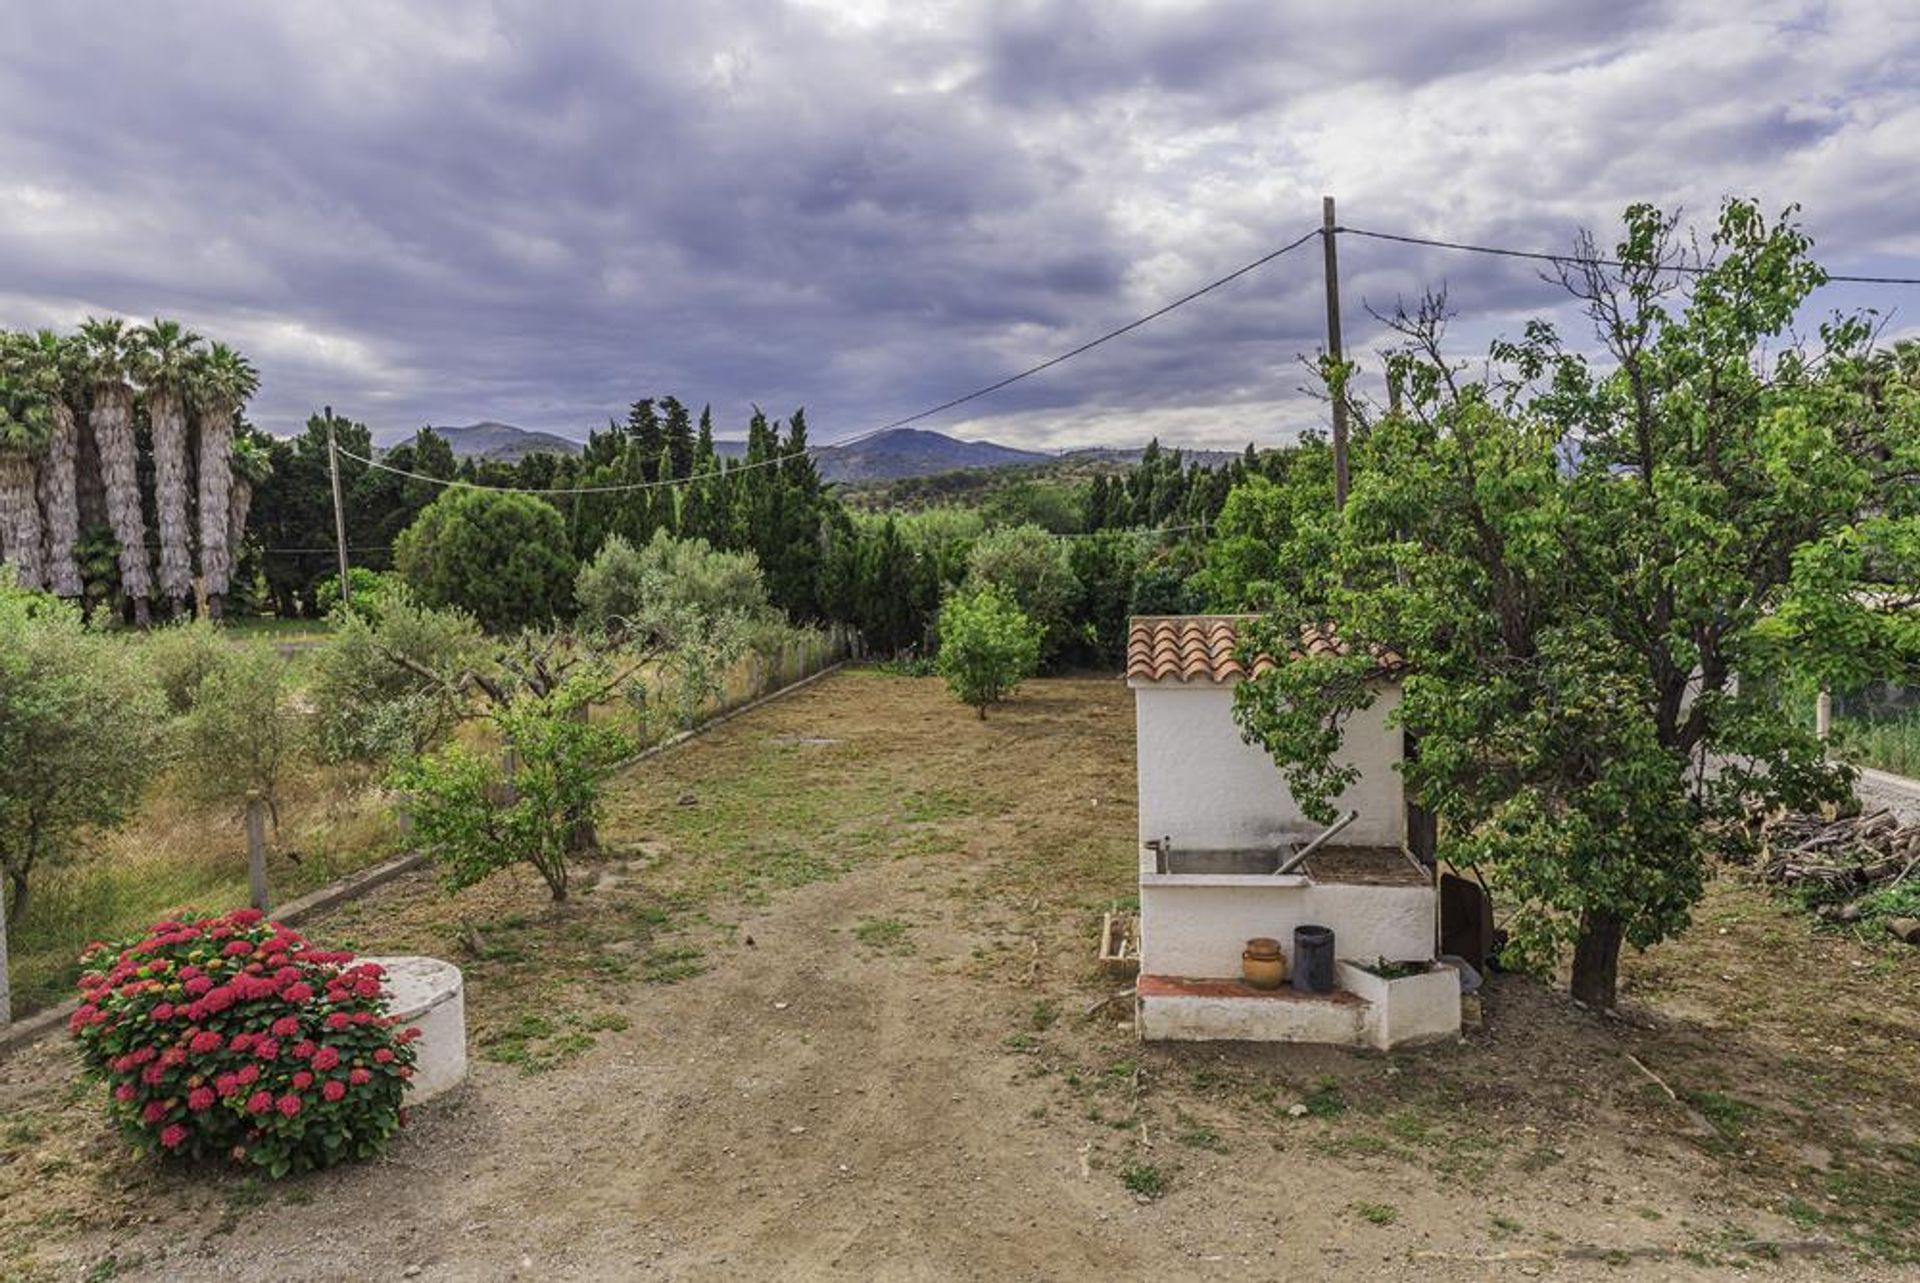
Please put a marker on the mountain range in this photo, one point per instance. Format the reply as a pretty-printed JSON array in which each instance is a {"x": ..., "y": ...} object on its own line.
[{"x": 890, "y": 456}]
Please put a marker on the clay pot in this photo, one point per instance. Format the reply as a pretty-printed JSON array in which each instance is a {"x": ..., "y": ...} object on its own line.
[{"x": 1262, "y": 964}]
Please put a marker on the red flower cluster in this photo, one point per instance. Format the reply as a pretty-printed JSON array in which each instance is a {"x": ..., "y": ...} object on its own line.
[{"x": 233, "y": 1037}]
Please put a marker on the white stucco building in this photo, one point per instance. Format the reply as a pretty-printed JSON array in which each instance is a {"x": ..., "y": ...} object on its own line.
[{"x": 1217, "y": 823}]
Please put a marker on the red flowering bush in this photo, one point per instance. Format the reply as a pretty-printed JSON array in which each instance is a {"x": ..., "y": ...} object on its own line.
[{"x": 232, "y": 1037}]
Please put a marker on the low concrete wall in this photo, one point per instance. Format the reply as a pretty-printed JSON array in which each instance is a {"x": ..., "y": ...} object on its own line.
[
  {"x": 1175, "y": 1016},
  {"x": 1407, "y": 1011},
  {"x": 1197, "y": 926}
]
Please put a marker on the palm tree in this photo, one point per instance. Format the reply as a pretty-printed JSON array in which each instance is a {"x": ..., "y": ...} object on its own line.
[
  {"x": 24, "y": 425},
  {"x": 222, "y": 384},
  {"x": 248, "y": 465},
  {"x": 165, "y": 356},
  {"x": 108, "y": 357},
  {"x": 51, "y": 364}
]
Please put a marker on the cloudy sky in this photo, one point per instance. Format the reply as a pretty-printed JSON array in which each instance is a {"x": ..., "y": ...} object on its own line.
[{"x": 536, "y": 212}]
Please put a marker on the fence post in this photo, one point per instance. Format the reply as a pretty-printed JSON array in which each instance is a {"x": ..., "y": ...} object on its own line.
[
  {"x": 257, "y": 852},
  {"x": 1823, "y": 714}
]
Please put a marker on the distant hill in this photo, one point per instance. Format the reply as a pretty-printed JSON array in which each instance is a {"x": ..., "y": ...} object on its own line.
[
  {"x": 892, "y": 456},
  {"x": 910, "y": 452},
  {"x": 503, "y": 442},
  {"x": 903, "y": 452}
]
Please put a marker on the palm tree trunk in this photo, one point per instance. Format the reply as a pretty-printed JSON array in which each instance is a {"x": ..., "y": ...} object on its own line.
[
  {"x": 169, "y": 419},
  {"x": 59, "y": 503},
  {"x": 216, "y": 511},
  {"x": 112, "y": 422},
  {"x": 90, "y": 492},
  {"x": 20, "y": 519},
  {"x": 239, "y": 500}
]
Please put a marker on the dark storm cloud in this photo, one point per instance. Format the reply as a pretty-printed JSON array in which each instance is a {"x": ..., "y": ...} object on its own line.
[{"x": 539, "y": 212}]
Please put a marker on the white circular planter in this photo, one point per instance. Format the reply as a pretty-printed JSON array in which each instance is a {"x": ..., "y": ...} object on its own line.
[{"x": 427, "y": 994}]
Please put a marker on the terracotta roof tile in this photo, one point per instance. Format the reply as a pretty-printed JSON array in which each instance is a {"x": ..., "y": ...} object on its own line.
[{"x": 1187, "y": 648}]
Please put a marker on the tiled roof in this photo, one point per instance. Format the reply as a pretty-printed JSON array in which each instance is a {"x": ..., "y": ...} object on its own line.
[{"x": 1188, "y": 648}]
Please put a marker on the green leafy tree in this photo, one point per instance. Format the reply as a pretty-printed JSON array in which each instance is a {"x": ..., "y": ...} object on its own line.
[
  {"x": 1105, "y": 563},
  {"x": 1264, "y": 529},
  {"x": 180, "y": 657},
  {"x": 1032, "y": 568},
  {"x": 662, "y": 587},
  {"x": 377, "y": 691},
  {"x": 987, "y": 646},
  {"x": 1595, "y": 575},
  {"x": 503, "y": 558},
  {"x": 80, "y": 728},
  {"x": 246, "y": 728},
  {"x": 476, "y": 823}
]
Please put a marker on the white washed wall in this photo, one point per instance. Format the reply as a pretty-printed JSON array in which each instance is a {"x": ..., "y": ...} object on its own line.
[{"x": 1208, "y": 789}]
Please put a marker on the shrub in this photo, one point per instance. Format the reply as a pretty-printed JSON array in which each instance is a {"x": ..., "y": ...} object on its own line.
[
  {"x": 371, "y": 591},
  {"x": 1033, "y": 569},
  {"x": 245, "y": 728},
  {"x": 372, "y": 702},
  {"x": 233, "y": 1038},
  {"x": 662, "y": 586},
  {"x": 987, "y": 647},
  {"x": 503, "y": 558},
  {"x": 475, "y": 822},
  {"x": 180, "y": 656}
]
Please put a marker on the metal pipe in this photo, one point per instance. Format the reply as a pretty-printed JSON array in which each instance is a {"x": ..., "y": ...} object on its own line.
[{"x": 1317, "y": 843}]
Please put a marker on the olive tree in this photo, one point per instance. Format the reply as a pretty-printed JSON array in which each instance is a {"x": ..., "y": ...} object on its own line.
[
  {"x": 1591, "y": 574},
  {"x": 80, "y": 724}
]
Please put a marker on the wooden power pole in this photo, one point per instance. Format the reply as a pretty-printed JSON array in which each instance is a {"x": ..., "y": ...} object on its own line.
[
  {"x": 339, "y": 510},
  {"x": 1334, "y": 354}
]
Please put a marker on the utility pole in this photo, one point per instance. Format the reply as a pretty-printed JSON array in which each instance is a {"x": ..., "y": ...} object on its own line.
[
  {"x": 339, "y": 510},
  {"x": 1328, "y": 230}
]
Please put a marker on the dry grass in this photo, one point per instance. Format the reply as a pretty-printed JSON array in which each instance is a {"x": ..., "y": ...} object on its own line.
[{"x": 177, "y": 853}]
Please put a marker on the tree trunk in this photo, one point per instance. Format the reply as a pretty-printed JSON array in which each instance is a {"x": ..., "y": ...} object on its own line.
[
  {"x": 16, "y": 896},
  {"x": 20, "y": 538},
  {"x": 1596, "y": 961},
  {"x": 112, "y": 422},
  {"x": 90, "y": 492},
  {"x": 6, "y": 989},
  {"x": 60, "y": 504},
  {"x": 169, "y": 419},
  {"x": 216, "y": 504}
]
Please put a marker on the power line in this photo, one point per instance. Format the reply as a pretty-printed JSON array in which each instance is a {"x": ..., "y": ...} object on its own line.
[
  {"x": 776, "y": 460},
  {"x": 1580, "y": 260}
]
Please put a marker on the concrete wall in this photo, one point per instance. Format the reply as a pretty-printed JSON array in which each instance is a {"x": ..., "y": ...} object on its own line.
[
  {"x": 1204, "y": 786},
  {"x": 1194, "y": 926}
]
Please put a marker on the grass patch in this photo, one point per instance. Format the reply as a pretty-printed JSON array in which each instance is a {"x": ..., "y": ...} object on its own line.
[
  {"x": 1144, "y": 1179},
  {"x": 1377, "y": 1213},
  {"x": 671, "y": 964},
  {"x": 884, "y": 935},
  {"x": 1325, "y": 1100},
  {"x": 1199, "y": 1136}
]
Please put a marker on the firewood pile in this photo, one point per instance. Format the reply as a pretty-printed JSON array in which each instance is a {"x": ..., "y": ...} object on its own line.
[{"x": 1840, "y": 862}]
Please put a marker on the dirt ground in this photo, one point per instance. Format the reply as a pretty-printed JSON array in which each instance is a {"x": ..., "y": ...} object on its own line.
[{"x": 822, "y": 1014}]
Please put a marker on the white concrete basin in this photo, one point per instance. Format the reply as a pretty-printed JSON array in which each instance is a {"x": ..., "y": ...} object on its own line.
[{"x": 429, "y": 995}]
